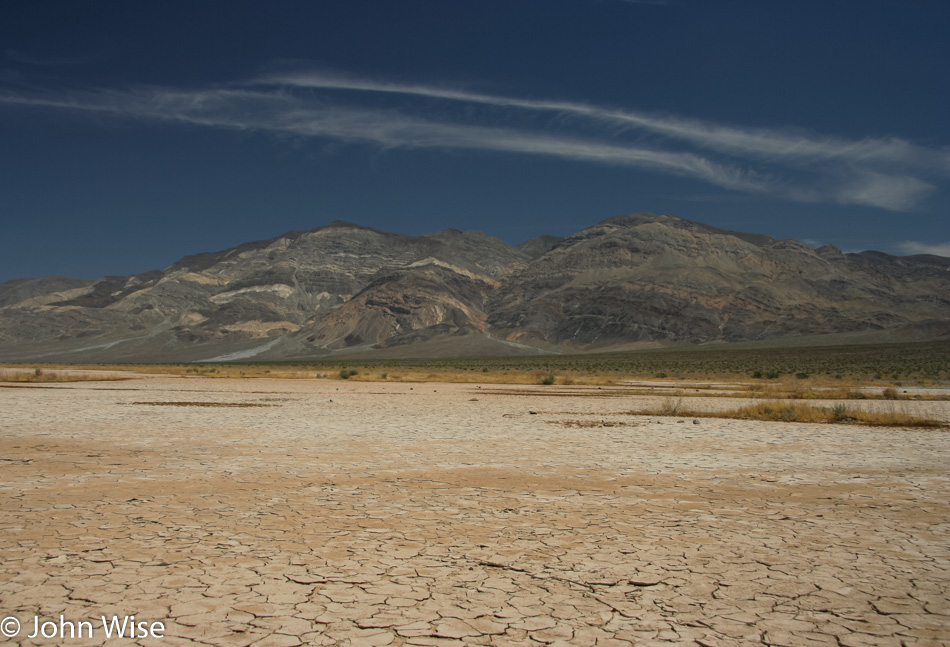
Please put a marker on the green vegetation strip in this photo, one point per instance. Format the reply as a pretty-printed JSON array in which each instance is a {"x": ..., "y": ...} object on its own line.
[{"x": 919, "y": 361}]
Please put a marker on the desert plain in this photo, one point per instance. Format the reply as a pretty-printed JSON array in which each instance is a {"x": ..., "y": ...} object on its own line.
[{"x": 329, "y": 512}]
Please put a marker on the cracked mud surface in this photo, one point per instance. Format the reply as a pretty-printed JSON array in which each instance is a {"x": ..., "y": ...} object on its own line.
[{"x": 421, "y": 514}]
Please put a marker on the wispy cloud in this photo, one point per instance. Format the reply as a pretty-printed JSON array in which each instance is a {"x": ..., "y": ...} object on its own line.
[
  {"x": 281, "y": 112},
  {"x": 937, "y": 249},
  {"x": 889, "y": 173},
  {"x": 875, "y": 189},
  {"x": 768, "y": 144}
]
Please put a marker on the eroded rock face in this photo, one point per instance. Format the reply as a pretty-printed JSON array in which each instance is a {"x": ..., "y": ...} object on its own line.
[
  {"x": 42, "y": 290},
  {"x": 313, "y": 292},
  {"x": 343, "y": 287},
  {"x": 428, "y": 298},
  {"x": 647, "y": 277}
]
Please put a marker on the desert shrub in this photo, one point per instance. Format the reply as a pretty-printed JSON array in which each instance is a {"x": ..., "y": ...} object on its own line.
[
  {"x": 671, "y": 406},
  {"x": 788, "y": 414},
  {"x": 839, "y": 412},
  {"x": 548, "y": 379},
  {"x": 346, "y": 374}
]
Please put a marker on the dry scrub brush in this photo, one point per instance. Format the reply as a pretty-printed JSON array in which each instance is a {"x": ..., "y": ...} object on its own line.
[
  {"x": 778, "y": 411},
  {"x": 39, "y": 375}
]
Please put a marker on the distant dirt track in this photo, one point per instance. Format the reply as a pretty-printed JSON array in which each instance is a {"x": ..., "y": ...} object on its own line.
[{"x": 446, "y": 514}]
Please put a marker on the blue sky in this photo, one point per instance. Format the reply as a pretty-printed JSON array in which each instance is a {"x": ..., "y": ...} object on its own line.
[{"x": 133, "y": 133}]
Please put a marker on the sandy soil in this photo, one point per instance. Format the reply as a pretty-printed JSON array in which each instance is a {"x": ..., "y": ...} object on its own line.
[{"x": 331, "y": 512}]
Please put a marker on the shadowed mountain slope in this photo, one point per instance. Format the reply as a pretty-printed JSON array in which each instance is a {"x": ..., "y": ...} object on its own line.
[{"x": 647, "y": 277}]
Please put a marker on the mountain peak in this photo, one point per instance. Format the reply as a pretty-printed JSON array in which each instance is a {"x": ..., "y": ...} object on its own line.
[
  {"x": 344, "y": 224},
  {"x": 634, "y": 219}
]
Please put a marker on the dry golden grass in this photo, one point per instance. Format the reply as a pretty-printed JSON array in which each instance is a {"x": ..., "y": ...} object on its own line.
[
  {"x": 700, "y": 380},
  {"x": 815, "y": 391},
  {"x": 202, "y": 370},
  {"x": 39, "y": 375},
  {"x": 779, "y": 411},
  {"x": 735, "y": 386}
]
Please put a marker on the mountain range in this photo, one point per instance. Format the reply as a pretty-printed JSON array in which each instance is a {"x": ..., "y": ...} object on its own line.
[{"x": 630, "y": 281}]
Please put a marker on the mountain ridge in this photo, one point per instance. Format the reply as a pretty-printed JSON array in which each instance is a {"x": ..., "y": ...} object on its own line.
[{"x": 344, "y": 288}]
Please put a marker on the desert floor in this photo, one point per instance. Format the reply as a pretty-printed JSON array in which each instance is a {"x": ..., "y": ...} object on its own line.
[{"x": 330, "y": 512}]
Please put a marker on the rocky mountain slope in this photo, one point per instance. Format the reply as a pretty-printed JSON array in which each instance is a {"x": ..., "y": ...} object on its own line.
[
  {"x": 344, "y": 288},
  {"x": 646, "y": 277}
]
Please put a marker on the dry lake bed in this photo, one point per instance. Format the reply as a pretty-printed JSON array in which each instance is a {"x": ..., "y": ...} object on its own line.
[{"x": 323, "y": 512}]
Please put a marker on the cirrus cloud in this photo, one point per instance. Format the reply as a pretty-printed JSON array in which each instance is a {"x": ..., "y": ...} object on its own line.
[
  {"x": 888, "y": 173},
  {"x": 936, "y": 249}
]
